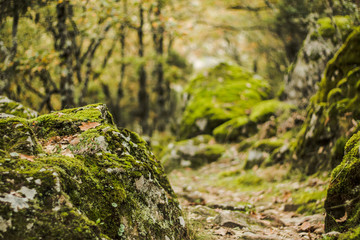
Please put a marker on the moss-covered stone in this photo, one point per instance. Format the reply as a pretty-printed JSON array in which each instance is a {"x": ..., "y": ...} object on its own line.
[
  {"x": 194, "y": 152},
  {"x": 333, "y": 112},
  {"x": 342, "y": 204},
  {"x": 80, "y": 177},
  {"x": 321, "y": 43},
  {"x": 13, "y": 108},
  {"x": 326, "y": 28},
  {"x": 268, "y": 145},
  {"x": 235, "y": 130},
  {"x": 224, "y": 93},
  {"x": 262, "y": 111},
  {"x": 261, "y": 152}
]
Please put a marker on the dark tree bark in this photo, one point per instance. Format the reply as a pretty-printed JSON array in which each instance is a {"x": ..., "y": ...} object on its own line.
[
  {"x": 65, "y": 47},
  {"x": 14, "y": 32},
  {"x": 143, "y": 96},
  {"x": 120, "y": 92},
  {"x": 158, "y": 40}
]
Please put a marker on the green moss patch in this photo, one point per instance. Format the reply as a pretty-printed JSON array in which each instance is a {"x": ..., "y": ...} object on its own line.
[
  {"x": 327, "y": 29},
  {"x": 11, "y": 107},
  {"x": 262, "y": 111},
  {"x": 342, "y": 203},
  {"x": 234, "y": 130},
  {"x": 310, "y": 202}
]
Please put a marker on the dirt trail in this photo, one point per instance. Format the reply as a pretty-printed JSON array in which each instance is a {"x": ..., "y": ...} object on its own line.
[{"x": 217, "y": 211}]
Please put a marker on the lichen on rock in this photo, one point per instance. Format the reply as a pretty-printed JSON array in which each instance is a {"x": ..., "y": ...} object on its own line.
[{"x": 74, "y": 175}]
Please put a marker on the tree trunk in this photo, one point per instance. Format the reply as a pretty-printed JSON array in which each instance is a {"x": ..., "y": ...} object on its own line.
[
  {"x": 14, "y": 33},
  {"x": 120, "y": 92},
  {"x": 158, "y": 39},
  {"x": 65, "y": 48},
  {"x": 143, "y": 96}
]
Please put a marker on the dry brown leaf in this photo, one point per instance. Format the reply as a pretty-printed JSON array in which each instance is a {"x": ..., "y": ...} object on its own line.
[
  {"x": 327, "y": 121},
  {"x": 223, "y": 232},
  {"x": 75, "y": 141},
  {"x": 60, "y": 114},
  {"x": 67, "y": 153},
  {"x": 88, "y": 125},
  {"x": 50, "y": 149},
  {"x": 321, "y": 150},
  {"x": 343, "y": 219},
  {"x": 27, "y": 157},
  {"x": 286, "y": 196},
  {"x": 305, "y": 226}
]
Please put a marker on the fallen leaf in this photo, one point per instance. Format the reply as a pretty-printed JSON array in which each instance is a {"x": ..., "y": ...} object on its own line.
[
  {"x": 50, "y": 149},
  {"x": 75, "y": 141},
  {"x": 27, "y": 157},
  {"x": 327, "y": 121},
  {"x": 343, "y": 219},
  {"x": 321, "y": 150},
  {"x": 67, "y": 153},
  {"x": 60, "y": 114},
  {"x": 223, "y": 232},
  {"x": 305, "y": 226},
  {"x": 88, "y": 125}
]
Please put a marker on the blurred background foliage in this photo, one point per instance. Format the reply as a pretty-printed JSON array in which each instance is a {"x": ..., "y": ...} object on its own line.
[{"x": 137, "y": 55}]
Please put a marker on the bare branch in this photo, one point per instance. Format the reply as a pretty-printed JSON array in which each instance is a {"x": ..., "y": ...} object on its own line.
[{"x": 249, "y": 8}]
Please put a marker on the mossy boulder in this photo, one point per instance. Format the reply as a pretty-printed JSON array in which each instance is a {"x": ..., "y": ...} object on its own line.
[
  {"x": 342, "y": 203},
  {"x": 219, "y": 95},
  {"x": 333, "y": 112},
  {"x": 194, "y": 153},
  {"x": 235, "y": 130},
  {"x": 262, "y": 111},
  {"x": 74, "y": 175},
  {"x": 320, "y": 45},
  {"x": 261, "y": 151},
  {"x": 10, "y": 108},
  {"x": 327, "y": 28}
]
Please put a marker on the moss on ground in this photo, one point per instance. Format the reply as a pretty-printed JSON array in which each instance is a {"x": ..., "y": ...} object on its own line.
[
  {"x": 74, "y": 175},
  {"x": 310, "y": 202}
]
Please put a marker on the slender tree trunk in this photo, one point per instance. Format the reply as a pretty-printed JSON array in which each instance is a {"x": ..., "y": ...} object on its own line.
[
  {"x": 14, "y": 32},
  {"x": 158, "y": 39},
  {"x": 65, "y": 48},
  {"x": 120, "y": 92},
  {"x": 143, "y": 96},
  {"x": 11, "y": 53}
]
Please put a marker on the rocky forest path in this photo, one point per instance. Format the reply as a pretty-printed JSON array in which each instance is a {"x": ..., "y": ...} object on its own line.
[{"x": 222, "y": 202}]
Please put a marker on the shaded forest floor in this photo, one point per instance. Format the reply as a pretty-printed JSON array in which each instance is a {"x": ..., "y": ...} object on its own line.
[{"x": 221, "y": 201}]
